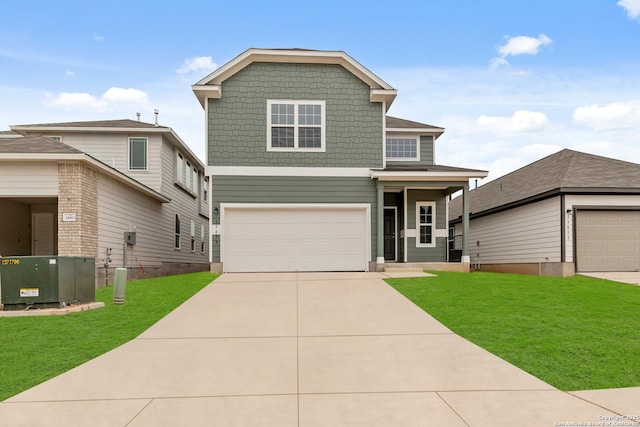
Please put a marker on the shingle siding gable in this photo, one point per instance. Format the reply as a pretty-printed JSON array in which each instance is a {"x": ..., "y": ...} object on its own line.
[{"x": 237, "y": 123}]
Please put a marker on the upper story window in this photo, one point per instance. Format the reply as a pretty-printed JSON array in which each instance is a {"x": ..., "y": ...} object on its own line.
[
  {"x": 187, "y": 176},
  {"x": 295, "y": 125},
  {"x": 195, "y": 180},
  {"x": 425, "y": 224},
  {"x": 180, "y": 168},
  {"x": 205, "y": 190},
  {"x": 402, "y": 149},
  {"x": 138, "y": 154}
]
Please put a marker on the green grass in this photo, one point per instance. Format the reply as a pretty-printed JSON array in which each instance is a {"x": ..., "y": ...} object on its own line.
[
  {"x": 575, "y": 333},
  {"x": 35, "y": 349}
]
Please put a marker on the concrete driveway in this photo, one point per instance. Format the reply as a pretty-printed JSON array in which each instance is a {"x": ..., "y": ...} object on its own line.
[
  {"x": 315, "y": 349},
  {"x": 631, "y": 277}
]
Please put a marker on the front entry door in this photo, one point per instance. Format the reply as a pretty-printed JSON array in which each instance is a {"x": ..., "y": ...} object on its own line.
[{"x": 390, "y": 234}]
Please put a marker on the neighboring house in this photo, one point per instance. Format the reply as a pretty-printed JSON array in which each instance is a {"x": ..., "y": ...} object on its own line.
[
  {"x": 566, "y": 213},
  {"x": 82, "y": 188},
  {"x": 308, "y": 173}
]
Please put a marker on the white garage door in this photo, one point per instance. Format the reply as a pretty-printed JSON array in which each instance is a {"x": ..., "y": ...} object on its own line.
[
  {"x": 296, "y": 238},
  {"x": 608, "y": 240}
]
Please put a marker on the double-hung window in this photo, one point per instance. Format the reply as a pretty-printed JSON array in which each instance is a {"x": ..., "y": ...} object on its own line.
[
  {"x": 138, "y": 154},
  {"x": 180, "y": 168},
  {"x": 295, "y": 125},
  {"x": 405, "y": 148},
  {"x": 425, "y": 224}
]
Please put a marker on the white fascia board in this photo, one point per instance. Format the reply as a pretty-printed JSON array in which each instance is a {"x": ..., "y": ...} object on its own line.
[
  {"x": 387, "y": 96},
  {"x": 41, "y": 156},
  {"x": 427, "y": 176},
  {"x": 422, "y": 131},
  {"x": 287, "y": 171},
  {"x": 292, "y": 56},
  {"x": 204, "y": 92},
  {"x": 101, "y": 129}
]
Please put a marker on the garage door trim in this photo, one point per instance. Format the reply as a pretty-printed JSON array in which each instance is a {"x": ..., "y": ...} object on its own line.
[
  {"x": 577, "y": 210},
  {"x": 365, "y": 207}
]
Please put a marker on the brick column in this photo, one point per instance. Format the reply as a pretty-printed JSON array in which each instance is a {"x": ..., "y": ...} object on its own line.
[{"x": 77, "y": 194}]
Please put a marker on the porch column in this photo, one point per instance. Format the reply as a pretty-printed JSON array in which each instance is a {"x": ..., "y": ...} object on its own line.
[
  {"x": 380, "y": 227},
  {"x": 465, "y": 223}
]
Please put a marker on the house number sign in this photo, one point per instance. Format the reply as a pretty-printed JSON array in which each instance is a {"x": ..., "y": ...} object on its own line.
[{"x": 69, "y": 217}]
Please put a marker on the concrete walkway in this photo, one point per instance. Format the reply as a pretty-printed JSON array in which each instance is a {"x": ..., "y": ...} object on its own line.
[{"x": 312, "y": 349}]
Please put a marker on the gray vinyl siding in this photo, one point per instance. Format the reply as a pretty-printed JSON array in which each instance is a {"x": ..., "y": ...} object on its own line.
[
  {"x": 426, "y": 153},
  {"x": 438, "y": 253},
  {"x": 244, "y": 189},
  {"x": 185, "y": 203},
  {"x": 112, "y": 149},
  {"x": 18, "y": 179},
  {"x": 237, "y": 123},
  {"x": 526, "y": 234},
  {"x": 121, "y": 208}
]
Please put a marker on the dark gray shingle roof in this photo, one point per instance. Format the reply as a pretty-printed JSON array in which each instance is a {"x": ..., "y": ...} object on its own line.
[
  {"x": 564, "y": 171},
  {"x": 35, "y": 144},
  {"x": 123, "y": 123},
  {"x": 394, "y": 122}
]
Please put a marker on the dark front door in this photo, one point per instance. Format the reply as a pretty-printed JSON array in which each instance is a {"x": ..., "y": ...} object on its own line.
[{"x": 390, "y": 234}]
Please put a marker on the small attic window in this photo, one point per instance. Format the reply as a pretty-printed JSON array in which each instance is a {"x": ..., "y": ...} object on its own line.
[{"x": 55, "y": 138}]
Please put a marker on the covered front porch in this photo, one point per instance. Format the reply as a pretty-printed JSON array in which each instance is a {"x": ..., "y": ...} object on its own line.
[{"x": 412, "y": 227}]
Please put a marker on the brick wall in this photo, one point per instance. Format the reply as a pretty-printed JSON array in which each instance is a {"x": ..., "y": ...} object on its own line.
[{"x": 77, "y": 194}]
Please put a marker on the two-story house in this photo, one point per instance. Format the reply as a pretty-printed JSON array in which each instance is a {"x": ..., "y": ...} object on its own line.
[
  {"x": 123, "y": 191},
  {"x": 308, "y": 173}
]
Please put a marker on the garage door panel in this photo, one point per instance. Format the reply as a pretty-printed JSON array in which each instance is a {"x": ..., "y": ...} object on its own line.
[
  {"x": 608, "y": 240},
  {"x": 295, "y": 239}
]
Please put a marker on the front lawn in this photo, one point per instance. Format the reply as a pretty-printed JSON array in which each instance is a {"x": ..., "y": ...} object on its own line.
[
  {"x": 575, "y": 333},
  {"x": 35, "y": 349}
]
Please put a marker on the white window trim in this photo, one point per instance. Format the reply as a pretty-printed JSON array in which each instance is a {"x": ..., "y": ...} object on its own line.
[
  {"x": 192, "y": 242},
  {"x": 202, "y": 237},
  {"x": 433, "y": 225},
  {"x": 146, "y": 153},
  {"x": 180, "y": 162},
  {"x": 177, "y": 219},
  {"x": 403, "y": 159},
  {"x": 56, "y": 138},
  {"x": 296, "y": 103}
]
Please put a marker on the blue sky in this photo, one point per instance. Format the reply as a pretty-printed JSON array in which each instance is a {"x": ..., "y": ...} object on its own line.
[{"x": 511, "y": 81}]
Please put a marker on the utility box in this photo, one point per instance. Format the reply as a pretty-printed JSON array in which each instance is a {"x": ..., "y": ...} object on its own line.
[
  {"x": 130, "y": 237},
  {"x": 46, "y": 281}
]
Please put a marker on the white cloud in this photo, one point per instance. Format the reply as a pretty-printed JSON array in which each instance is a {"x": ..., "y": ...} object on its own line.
[
  {"x": 97, "y": 38},
  {"x": 200, "y": 64},
  {"x": 632, "y": 7},
  {"x": 522, "y": 121},
  {"x": 69, "y": 73},
  {"x": 112, "y": 97},
  {"x": 617, "y": 115},
  {"x": 519, "y": 45},
  {"x": 117, "y": 94}
]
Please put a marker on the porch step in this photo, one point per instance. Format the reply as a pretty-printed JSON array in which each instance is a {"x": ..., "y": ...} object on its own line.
[{"x": 403, "y": 270}]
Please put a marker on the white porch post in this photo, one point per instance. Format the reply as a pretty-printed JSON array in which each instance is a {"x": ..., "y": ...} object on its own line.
[
  {"x": 465, "y": 224},
  {"x": 380, "y": 227}
]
